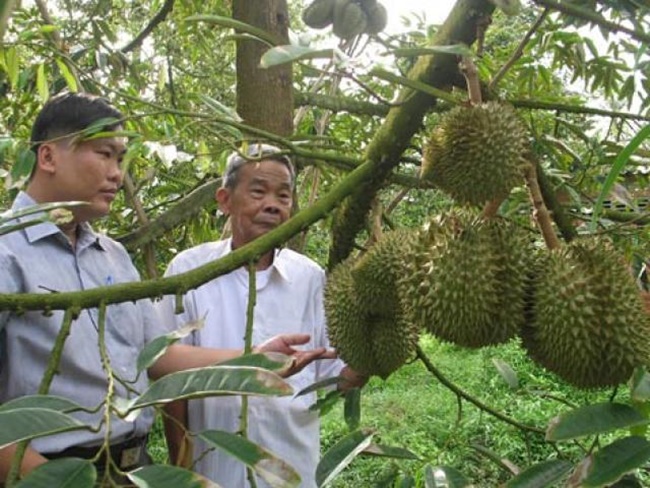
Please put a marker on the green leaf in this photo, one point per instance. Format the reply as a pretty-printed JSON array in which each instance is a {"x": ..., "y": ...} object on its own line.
[
  {"x": 618, "y": 165},
  {"x": 70, "y": 80},
  {"x": 592, "y": 420},
  {"x": 10, "y": 215},
  {"x": 507, "y": 373},
  {"x": 270, "y": 468},
  {"x": 157, "y": 347},
  {"x": 49, "y": 402},
  {"x": 380, "y": 450},
  {"x": 12, "y": 64},
  {"x": 163, "y": 476},
  {"x": 443, "y": 477},
  {"x": 220, "y": 108},
  {"x": 616, "y": 459},
  {"x": 640, "y": 385},
  {"x": 212, "y": 381},
  {"x": 325, "y": 404},
  {"x": 25, "y": 160},
  {"x": 541, "y": 475},
  {"x": 61, "y": 473},
  {"x": 273, "y": 361},
  {"x": 41, "y": 83},
  {"x": 231, "y": 23},
  {"x": 288, "y": 53},
  {"x": 455, "y": 49},
  {"x": 339, "y": 456},
  {"x": 319, "y": 385},
  {"x": 27, "y": 423},
  {"x": 352, "y": 408}
]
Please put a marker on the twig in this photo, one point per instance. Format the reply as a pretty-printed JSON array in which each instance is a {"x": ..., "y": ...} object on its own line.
[
  {"x": 248, "y": 345},
  {"x": 540, "y": 212},
  {"x": 149, "y": 248},
  {"x": 519, "y": 51},
  {"x": 463, "y": 394},
  {"x": 148, "y": 29},
  {"x": 470, "y": 72}
]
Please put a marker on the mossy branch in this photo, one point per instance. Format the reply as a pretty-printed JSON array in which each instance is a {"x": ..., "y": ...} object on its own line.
[
  {"x": 540, "y": 212},
  {"x": 186, "y": 281},
  {"x": 248, "y": 345}
]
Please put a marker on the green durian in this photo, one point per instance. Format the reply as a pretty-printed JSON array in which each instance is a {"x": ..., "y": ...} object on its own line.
[
  {"x": 476, "y": 152},
  {"x": 587, "y": 323}
]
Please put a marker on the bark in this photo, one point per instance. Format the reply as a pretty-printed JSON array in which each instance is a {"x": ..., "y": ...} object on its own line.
[{"x": 264, "y": 96}]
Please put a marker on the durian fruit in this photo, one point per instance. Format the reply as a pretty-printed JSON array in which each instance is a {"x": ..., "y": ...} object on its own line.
[
  {"x": 588, "y": 323},
  {"x": 319, "y": 14},
  {"x": 347, "y": 323},
  {"x": 475, "y": 153},
  {"x": 350, "y": 20},
  {"x": 393, "y": 341},
  {"x": 377, "y": 271},
  {"x": 467, "y": 285}
]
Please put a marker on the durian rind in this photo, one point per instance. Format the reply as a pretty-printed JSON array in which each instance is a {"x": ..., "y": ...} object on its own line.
[
  {"x": 588, "y": 321},
  {"x": 475, "y": 153}
]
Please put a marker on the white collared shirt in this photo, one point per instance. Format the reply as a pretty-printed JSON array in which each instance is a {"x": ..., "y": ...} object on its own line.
[{"x": 289, "y": 300}]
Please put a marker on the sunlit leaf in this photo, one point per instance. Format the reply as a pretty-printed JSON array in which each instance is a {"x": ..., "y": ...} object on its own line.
[
  {"x": 443, "y": 477},
  {"x": 288, "y": 53},
  {"x": 70, "y": 80},
  {"x": 157, "y": 347},
  {"x": 49, "y": 402},
  {"x": 275, "y": 471},
  {"x": 220, "y": 108},
  {"x": 273, "y": 361},
  {"x": 339, "y": 456},
  {"x": 541, "y": 475},
  {"x": 61, "y": 473},
  {"x": 592, "y": 420},
  {"x": 640, "y": 385},
  {"x": 212, "y": 381},
  {"x": 231, "y": 23},
  {"x": 29, "y": 423},
  {"x": 41, "y": 83},
  {"x": 163, "y": 476},
  {"x": 507, "y": 373},
  {"x": 616, "y": 459}
]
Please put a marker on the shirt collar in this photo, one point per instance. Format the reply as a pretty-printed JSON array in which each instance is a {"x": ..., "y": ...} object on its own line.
[
  {"x": 279, "y": 263},
  {"x": 87, "y": 236}
]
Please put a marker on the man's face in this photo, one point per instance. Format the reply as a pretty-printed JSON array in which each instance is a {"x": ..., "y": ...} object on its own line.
[
  {"x": 260, "y": 201},
  {"x": 88, "y": 171}
]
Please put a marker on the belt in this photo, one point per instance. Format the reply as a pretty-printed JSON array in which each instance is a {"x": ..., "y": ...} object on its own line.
[{"x": 126, "y": 454}]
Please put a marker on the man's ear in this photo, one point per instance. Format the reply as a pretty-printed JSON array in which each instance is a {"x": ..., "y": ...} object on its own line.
[
  {"x": 223, "y": 199},
  {"x": 46, "y": 158}
]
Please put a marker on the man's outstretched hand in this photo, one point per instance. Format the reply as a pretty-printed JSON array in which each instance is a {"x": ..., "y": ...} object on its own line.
[{"x": 284, "y": 344}]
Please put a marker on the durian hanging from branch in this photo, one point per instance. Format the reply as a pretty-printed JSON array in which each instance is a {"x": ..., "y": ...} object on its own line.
[{"x": 349, "y": 18}]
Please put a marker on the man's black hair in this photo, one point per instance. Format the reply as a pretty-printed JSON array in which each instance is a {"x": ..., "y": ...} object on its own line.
[{"x": 69, "y": 113}]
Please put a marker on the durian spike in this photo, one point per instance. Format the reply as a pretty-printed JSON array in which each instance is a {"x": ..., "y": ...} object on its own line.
[
  {"x": 470, "y": 72},
  {"x": 540, "y": 212}
]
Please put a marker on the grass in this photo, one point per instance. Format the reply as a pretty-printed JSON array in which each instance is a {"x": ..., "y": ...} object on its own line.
[{"x": 413, "y": 410}]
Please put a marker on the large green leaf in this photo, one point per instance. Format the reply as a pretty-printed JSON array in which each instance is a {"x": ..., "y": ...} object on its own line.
[
  {"x": 352, "y": 408},
  {"x": 592, "y": 420},
  {"x": 389, "y": 451},
  {"x": 288, "y": 53},
  {"x": 541, "y": 475},
  {"x": 231, "y": 23},
  {"x": 275, "y": 471},
  {"x": 61, "y": 473},
  {"x": 273, "y": 361},
  {"x": 455, "y": 49},
  {"x": 162, "y": 476},
  {"x": 212, "y": 381},
  {"x": 507, "y": 373},
  {"x": 157, "y": 347},
  {"x": 339, "y": 456},
  {"x": 49, "y": 402},
  {"x": 616, "y": 459},
  {"x": 618, "y": 165},
  {"x": 443, "y": 477},
  {"x": 27, "y": 423}
]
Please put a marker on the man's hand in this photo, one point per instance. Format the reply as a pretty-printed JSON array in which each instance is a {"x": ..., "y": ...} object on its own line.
[{"x": 284, "y": 343}]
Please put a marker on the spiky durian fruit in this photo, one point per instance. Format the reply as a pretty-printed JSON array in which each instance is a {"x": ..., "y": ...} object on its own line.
[
  {"x": 475, "y": 153},
  {"x": 347, "y": 322},
  {"x": 393, "y": 341},
  {"x": 377, "y": 271},
  {"x": 468, "y": 284},
  {"x": 588, "y": 321}
]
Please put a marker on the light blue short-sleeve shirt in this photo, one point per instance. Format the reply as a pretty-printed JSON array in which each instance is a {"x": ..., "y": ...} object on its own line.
[{"x": 40, "y": 259}]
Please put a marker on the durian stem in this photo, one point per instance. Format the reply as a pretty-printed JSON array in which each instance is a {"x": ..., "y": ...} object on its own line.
[
  {"x": 466, "y": 396},
  {"x": 470, "y": 72},
  {"x": 540, "y": 212}
]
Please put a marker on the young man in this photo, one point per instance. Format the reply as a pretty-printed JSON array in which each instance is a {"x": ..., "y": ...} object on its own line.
[
  {"x": 45, "y": 258},
  {"x": 257, "y": 194}
]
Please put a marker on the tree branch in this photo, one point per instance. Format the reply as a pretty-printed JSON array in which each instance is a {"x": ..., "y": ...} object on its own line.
[{"x": 148, "y": 29}]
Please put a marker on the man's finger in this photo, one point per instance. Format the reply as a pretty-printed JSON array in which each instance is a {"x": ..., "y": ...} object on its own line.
[{"x": 296, "y": 339}]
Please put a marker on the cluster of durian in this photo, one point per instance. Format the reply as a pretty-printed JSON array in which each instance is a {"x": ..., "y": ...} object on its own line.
[
  {"x": 476, "y": 152},
  {"x": 349, "y": 18},
  {"x": 467, "y": 284},
  {"x": 586, "y": 321},
  {"x": 366, "y": 322}
]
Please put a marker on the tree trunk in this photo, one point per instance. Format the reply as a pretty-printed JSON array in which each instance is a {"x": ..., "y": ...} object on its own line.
[{"x": 264, "y": 96}]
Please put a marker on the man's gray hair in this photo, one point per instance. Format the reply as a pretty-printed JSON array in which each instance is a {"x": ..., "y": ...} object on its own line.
[{"x": 250, "y": 154}]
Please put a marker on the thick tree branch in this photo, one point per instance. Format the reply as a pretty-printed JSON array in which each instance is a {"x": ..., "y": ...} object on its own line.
[
  {"x": 148, "y": 29},
  {"x": 593, "y": 17},
  {"x": 576, "y": 109}
]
